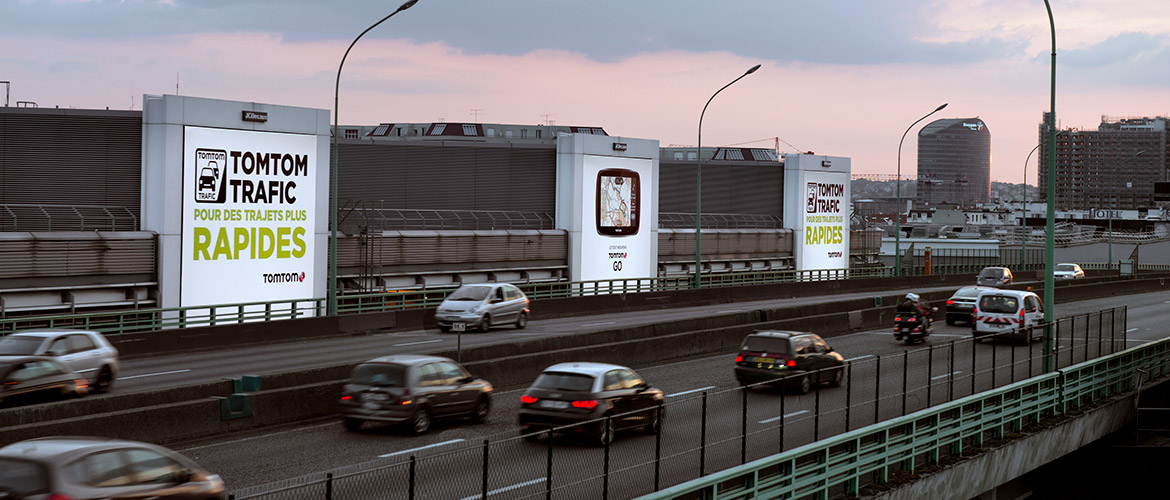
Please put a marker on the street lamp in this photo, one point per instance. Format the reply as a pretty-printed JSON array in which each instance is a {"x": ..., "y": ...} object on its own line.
[
  {"x": 898, "y": 196},
  {"x": 1050, "y": 222},
  {"x": 332, "y": 302},
  {"x": 1111, "y": 179},
  {"x": 1024, "y": 222},
  {"x": 699, "y": 179}
]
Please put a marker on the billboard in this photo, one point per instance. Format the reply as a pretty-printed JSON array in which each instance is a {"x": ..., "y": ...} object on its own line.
[
  {"x": 248, "y": 220},
  {"x": 816, "y": 208},
  {"x": 612, "y": 243}
]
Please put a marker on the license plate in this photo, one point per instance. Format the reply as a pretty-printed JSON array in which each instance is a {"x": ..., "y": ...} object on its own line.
[
  {"x": 375, "y": 397},
  {"x": 458, "y": 327},
  {"x": 766, "y": 360},
  {"x": 558, "y": 405},
  {"x": 371, "y": 406},
  {"x": 904, "y": 330}
]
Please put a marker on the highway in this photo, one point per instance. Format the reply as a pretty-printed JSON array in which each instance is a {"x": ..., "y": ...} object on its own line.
[{"x": 450, "y": 457}]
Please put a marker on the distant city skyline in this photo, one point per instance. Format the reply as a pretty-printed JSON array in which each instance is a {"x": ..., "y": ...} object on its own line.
[{"x": 842, "y": 80}]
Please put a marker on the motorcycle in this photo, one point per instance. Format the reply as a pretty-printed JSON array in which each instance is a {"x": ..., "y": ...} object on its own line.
[{"x": 913, "y": 327}]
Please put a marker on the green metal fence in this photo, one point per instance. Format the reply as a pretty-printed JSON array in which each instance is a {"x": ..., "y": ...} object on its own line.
[{"x": 845, "y": 464}]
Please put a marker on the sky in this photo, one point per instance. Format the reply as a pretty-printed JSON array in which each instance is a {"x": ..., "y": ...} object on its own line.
[{"x": 842, "y": 78}]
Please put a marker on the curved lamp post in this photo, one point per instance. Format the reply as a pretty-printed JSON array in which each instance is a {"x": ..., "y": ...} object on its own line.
[
  {"x": 699, "y": 180},
  {"x": 898, "y": 196},
  {"x": 1024, "y": 224},
  {"x": 332, "y": 303},
  {"x": 1050, "y": 222},
  {"x": 1135, "y": 155}
]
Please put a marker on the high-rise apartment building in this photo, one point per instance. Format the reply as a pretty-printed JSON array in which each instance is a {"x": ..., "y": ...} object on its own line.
[
  {"x": 954, "y": 162},
  {"x": 1114, "y": 167}
]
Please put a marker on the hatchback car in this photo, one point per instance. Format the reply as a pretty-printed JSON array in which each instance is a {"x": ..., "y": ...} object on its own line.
[
  {"x": 85, "y": 352},
  {"x": 413, "y": 390},
  {"x": 83, "y": 468},
  {"x": 36, "y": 378},
  {"x": 568, "y": 394},
  {"x": 962, "y": 304},
  {"x": 482, "y": 305},
  {"x": 1007, "y": 313},
  {"x": 1068, "y": 272},
  {"x": 994, "y": 276},
  {"x": 800, "y": 358}
]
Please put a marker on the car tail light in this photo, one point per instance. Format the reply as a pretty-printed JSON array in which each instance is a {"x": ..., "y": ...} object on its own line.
[
  {"x": 404, "y": 399},
  {"x": 950, "y": 302},
  {"x": 346, "y": 398},
  {"x": 897, "y": 318},
  {"x": 588, "y": 403},
  {"x": 791, "y": 363},
  {"x": 58, "y": 496},
  {"x": 526, "y": 399},
  {"x": 739, "y": 358}
]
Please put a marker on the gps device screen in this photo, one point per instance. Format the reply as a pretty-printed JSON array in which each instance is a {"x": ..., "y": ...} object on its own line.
[{"x": 618, "y": 202}]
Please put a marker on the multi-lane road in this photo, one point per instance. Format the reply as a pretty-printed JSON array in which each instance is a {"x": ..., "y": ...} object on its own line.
[{"x": 450, "y": 457}]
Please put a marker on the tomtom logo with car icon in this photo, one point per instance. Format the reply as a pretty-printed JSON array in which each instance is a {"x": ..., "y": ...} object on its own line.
[
  {"x": 210, "y": 175},
  {"x": 295, "y": 277}
]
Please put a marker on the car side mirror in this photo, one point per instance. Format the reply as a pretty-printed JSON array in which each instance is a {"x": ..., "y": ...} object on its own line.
[
  {"x": 50, "y": 353},
  {"x": 828, "y": 349},
  {"x": 466, "y": 380},
  {"x": 182, "y": 476}
]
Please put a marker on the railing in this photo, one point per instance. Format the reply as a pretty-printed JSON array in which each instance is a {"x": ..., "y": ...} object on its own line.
[
  {"x": 691, "y": 435},
  {"x": 846, "y": 464},
  {"x": 145, "y": 320},
  {"x": 42, "y": 217}
]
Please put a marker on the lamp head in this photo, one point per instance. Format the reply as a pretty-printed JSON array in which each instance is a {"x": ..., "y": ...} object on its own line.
[
  {"x": 752, "y": 70},
  {"x": 407, "y": 5},
  {"x": 941, "y": 107}
]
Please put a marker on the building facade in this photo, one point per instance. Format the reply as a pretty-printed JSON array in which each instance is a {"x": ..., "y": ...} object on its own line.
[
  {"x": 1115, "y": 167},
  {"x": 954, "y": 162}
]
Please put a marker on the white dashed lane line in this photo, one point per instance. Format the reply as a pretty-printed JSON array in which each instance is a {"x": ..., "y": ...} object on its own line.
[{"x": 172, "y": 372}]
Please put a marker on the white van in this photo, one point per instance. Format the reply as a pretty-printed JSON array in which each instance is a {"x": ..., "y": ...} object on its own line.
[{"x": 1008, "y": 312}]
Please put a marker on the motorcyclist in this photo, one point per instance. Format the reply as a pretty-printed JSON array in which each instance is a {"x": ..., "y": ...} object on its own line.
[{"x": 912, "y": 303}]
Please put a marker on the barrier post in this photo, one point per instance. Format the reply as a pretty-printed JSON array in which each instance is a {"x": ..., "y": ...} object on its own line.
[
  {"x": 703, "y": 438},
  {"x": 549, "y": 467},
  {"x": 848, "y": 392},
  {"x": 657, "y": 454},
  {"x": 410, "y": 484},
  {"x": 485, "y": 470},
  {"x": 743, "y": 426},
  {"x": 905, "y": 373}
]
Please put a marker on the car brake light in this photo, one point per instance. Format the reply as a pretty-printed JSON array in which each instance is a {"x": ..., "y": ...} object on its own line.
[
  {"x": 739, "y": 358},
  {"x": 526, "y": 399},
  {"x": 950, "y": 302},
  {"x": 588, "y": 403},
  {"x": 791, "y": 363},
  {"x": 897, "y": 318},
  {"x": 58, "y": 496},
  {"x": 346, "y": 398}
]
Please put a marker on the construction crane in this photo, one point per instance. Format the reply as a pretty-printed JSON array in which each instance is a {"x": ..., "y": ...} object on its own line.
[{"x": 775, "y": 141}]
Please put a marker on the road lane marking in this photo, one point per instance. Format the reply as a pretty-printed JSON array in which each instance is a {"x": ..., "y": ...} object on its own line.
[
  {"x": 1132, "y": 330},
  {"x": 444, "y": 443},
  {"x": 947, "y": 335},
  {"x": 599, "y": 324},
  {"x": 270, "y": 434},
  {"x": 860, "y": 357},
  {"x": 172, "y": 372},
  {"x": 945, "y": 375},
  {"x": 729, "y": 311},
  {"x": 773, "y": 419},
  {"x": 419, "y": 342},
  {"x": 690, "y": 391},
  {"x": 507, "y": 488}
]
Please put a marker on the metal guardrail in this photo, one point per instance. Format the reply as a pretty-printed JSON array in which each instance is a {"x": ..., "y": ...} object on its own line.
[
  {"x": 905, "y": 444},
  {"x": 139, "y": 320},
  {"x": 47, "y": 217}
]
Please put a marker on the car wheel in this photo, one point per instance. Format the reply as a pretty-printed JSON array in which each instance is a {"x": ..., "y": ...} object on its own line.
[
  {"x": 522, "y": 321},
  {"x": 838, "y": 378},
  {"x": 352, "y": 424},
  {"x": 656, "y": 420},
  {"x": 602, "y": 434},
  {"x": 420, "y": 423},
  {"x": 483, "y": 408},
  {"x": 486, "y": 323},
  {"x": 803, "y": 385},
  {"x": 105, "y": 380}
]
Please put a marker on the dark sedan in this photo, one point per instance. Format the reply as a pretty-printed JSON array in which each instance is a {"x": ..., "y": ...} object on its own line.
[
  {"x": 802, "y": 359},
  {"x": 413, "y": 390},
  {"x": 961, "y": 305},
  {"x": 583, "y": 397},
  {"x": 26, "y": 379}
]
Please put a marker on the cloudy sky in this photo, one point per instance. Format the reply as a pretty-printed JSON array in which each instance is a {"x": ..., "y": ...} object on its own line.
[{"x": 841, "y": 78}]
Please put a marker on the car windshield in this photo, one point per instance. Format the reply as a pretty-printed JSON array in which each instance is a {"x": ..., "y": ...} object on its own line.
[
  {"x": 23, "y": 477},
  {"x": 998, "y": 304},
  {"x": 379, "y": 374},
  {"x": 1065, "y": 267},
  {"x": 470, "y": 293},
  {"x": 967, "y": 293},
  {"x": 15, "y": 345},
  {"x": 766, "y": 344},
  {"x": 991, "y": 273},
  {"x": 564, "y": 381}
]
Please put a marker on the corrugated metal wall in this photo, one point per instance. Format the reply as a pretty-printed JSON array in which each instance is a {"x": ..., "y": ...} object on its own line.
[
  {"x": 431, "y": 250},
  {"x": 70, "y": 254},
  {"x": 71, "y": 157},
  {"x": 449, "y": 176},
  {"x": 728, "y": 187}
]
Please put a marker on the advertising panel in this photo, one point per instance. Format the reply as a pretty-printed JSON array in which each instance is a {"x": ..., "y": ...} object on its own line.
[
  {"x": 248, "y": 216},
  {"x": 614, "y": 242},
  {"x": 826, "y": 221}
]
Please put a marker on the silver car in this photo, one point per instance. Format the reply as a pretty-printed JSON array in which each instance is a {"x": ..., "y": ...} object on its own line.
[
  {"x": 84, "y": 468},
  {"x": 995, "y": 276},
  {"x": 86, "y": 352},
  {"x": 1066, "y": 271},
  {"x": 482, "y": 305}
]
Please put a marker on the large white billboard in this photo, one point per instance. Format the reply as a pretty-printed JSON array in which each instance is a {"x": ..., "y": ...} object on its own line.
[
  {"x": 248, "y": 216},
  {"x": 615, "y": 241},
  {"x": 816, "y": 208}
]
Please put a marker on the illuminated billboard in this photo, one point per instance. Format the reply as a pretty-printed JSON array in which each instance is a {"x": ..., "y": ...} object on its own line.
[{"x": 816, "y": 208}]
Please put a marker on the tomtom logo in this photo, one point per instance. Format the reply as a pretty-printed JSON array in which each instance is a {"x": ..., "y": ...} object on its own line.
[
  {"x": 824, "y": 198},
  {"x": 283, "y": 277},
  {"x": 210, "y": 175},
  {"x": 619, "y": 255}
]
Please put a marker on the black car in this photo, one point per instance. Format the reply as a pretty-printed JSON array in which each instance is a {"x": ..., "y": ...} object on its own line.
[
  {"x": 800, "y": 358},
  {"x": 568, "y": 394},
  {"x": 26, "y": 379},
  {"x": 961, "y": 305},
  {"x": 413, "y": 390}
]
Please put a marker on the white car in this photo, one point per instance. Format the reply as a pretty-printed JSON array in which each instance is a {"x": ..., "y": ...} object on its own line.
[
  {"x": 1007, "y": 314},
  {"x": 86, "y": 352},
  {"x": 1068, "y": 272}
]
